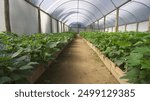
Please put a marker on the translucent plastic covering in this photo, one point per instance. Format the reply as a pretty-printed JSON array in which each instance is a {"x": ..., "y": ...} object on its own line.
[
  {"x": 2, "y": 17},
  {"x": 133, "y": 12},
  {"x": 85, "y": 12}
]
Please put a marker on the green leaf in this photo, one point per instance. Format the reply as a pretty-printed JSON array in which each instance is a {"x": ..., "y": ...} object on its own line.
[
  {"x": 134, "y": 59},
  {"x": 146, "y": 64},
  {"x": 11, "y": 68},
  {"x": 5, "y": 79},
  {"x": 123, "y": 43},
  {"x": 132, "y": 75},
  {"x": 20, "y": 60},
  {"x": 26, "y": 67},
  {"x": 138, "y": 43},
  {"x": 16, "y": 77},
  {"x": 17, "y": 53},
  {"x": 32, "y": 63},
  {"x": 141, "y": 50},
  {"x": 53, "y": 44}
]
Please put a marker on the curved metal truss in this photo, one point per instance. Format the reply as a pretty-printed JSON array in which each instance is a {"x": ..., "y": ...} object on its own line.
[{"x": 93, "y": 11}]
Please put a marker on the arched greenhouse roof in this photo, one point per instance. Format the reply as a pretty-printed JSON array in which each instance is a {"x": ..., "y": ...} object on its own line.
[{"x": 86, "y": 12}]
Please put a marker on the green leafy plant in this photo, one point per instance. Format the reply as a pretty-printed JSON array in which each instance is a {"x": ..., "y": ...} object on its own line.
[
  {"x": 129, "y": 50},
  {"x": 19, "y": 55}
]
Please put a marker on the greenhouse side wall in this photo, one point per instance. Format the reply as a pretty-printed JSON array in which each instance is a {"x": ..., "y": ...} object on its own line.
[
  {"x": 23, "y": 20},
  {"x": 143, "y": 26},
  {"x": 54, "y": 23},
  {"x": 45, "y": 23},
  {"x": 60, "y": 27},
  {"x": 2, "y": 16}
]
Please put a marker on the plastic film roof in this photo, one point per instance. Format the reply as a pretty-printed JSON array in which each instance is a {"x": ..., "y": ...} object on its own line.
[{"x": 85, "y": 12}]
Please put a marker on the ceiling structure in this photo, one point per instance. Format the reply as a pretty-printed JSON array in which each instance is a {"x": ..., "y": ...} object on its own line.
[{"x": 86, "y": 12}]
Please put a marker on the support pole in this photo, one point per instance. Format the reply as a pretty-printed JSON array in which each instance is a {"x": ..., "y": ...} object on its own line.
[
  {"x": 64, "y": 27},
  {"x": 7, "y": 16},
  {"x": 117, "y": 20},
  {"x": 137, "y": 27},
  {"x": 39, "y": 20},
  {"x": 98, "y": 25},
  {"x": 51, "y": 25},
  {"x": 125, "y": 27},
  {"x": 85, "y": 28},
  {"x": 93, "y": 27},
  {"x": 149, "y": 25},
  {"x": 57, "y": 26},
  {"x": 61, "y": 25},
  {"x": 104, "y": 23}
]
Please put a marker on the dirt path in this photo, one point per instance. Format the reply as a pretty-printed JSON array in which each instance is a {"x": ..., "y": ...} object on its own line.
[{"x": 77, "y": 64}]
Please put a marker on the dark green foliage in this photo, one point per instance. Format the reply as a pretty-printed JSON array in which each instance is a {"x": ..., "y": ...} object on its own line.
[
  {"x": 129, "y": 50},
  {"x": 20, "y": 54}
]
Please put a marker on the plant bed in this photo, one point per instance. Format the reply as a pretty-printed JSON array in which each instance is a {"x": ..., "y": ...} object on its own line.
[
  {"x": 23, "y": 55},
  {"x": 36, "y": 73},
  {"x": 41, "y": 68},
  {"x": 116, "y": 71},
  {"x": 130, "y": 51}
]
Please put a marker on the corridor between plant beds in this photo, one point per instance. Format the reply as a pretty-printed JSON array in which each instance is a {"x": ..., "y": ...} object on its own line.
[{"x": 78, "y": 63}]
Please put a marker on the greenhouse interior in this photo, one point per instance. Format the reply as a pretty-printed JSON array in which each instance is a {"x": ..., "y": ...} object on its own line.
[{"x": 74, "y": 41}]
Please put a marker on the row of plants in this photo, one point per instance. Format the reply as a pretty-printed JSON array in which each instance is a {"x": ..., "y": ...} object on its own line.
[
  {"x": 20, "y": 54},
  {"x": 128, "y": 50}
]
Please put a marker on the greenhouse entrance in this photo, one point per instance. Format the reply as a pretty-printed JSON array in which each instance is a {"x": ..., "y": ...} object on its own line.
[{"x": 78, "y": 63}]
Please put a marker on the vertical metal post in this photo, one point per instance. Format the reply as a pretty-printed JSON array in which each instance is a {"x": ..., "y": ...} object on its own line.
[
  {"x": 98, "y": 29},
  {"x": 117, "y": 20},
  {"x": 125, "y": 27},
  {"x": 57, "y": 26},
  {"x": 51, "y": 24},
  {"x": 7, "y": 16},
  {"x": 98, "y": 25},
  {"x": 60, "y": 26},
  {"x": 104, "y": 23},
  {"x": 39, "y": 20},
  {"x": 63, "y": 27},
  {"x": 94, "y": 26},
  {"x": 137, "y": 27},
  {"x": 149, "y": 25},
  {"x": 84, "y": 28}
]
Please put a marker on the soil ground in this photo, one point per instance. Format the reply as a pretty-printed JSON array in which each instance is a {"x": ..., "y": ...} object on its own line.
[{"x": 77, "y": 64}]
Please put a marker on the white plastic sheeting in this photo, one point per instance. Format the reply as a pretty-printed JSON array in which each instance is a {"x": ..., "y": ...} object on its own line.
[
  {"x": 60, "y": 27},
  {"x": 83, "y": 9},
  {"x": 85, "y": 12},
  {"x": 132, "y": 12},
  {"x": 2, "y": 16},
  {"x": 122, "y": 28},
  {"x": 143, "y": 26},
  {"x": 45, "y": 23},
  {"x": 54, "y": 28},
  {"x": 23, "y": 17}
]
